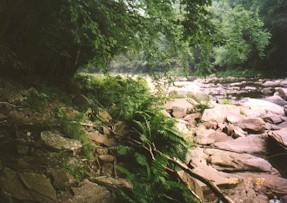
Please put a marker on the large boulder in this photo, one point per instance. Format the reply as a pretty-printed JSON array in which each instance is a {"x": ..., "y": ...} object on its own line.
[
  {"x": 251, "y": 144},
  {"x": 252, "y": 124},
  {"x": 220, "y": 112},
  {"x": 262, "y": 107},
  {"x": 178, "y": 108},
  {"x": 231, "y": 161}
]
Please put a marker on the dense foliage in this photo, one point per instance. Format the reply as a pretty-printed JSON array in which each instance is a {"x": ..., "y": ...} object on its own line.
[
  {"x": 56, "y": 37},
  {"x": 239, "y": 37}
]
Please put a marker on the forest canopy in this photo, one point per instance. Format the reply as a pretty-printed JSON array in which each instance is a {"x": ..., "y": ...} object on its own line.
[{"x": 54, "y": 38}]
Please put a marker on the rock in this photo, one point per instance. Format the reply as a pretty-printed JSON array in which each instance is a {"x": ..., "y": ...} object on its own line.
[
  {"x": 39, "y": 187},
  {"x": 219, "y": 113},
  {"x": 196, "y": 156},
  {"x": 192, "y": 119},
  {"x": 11, "y": 184},
  {"x": 100, "y": 138},
  {"x": 251, "y": 144},
  {"x": 283, "y": 125},
  {"x": 232, "y": 130},
  {"x": 107, "y": 158},
  {"x": 272, "y": 83},
  {"x": 272, "y": 118},
  {"x": 233, "y": 118},
  {"x": 88, "y": 192},
  {"x": 210, "y": 124},
  {"x": 82, "y": 101},
  {"x": 252, "y": 124},
  {"x": 270, "y": 126},
  {"x": 245, "y": 193},
  {"x": 191, "y": 183},
  {"x": 231, "y": 161},
  {"x": 276, "y": 100},
  {"x": 210, "y": 136},
  {"x": 261, "y": 106},
  {"x": 283, "y": 93},
  {"x": 280, "y": 136},
  {"x": 265, "y": 183},
  {"x": 61, "y": 178},
  {"x": 56, "y": 141},
  {"x": 220, "y": 179},
  {"x": 266, "y": 90},
  {"x": 27, "y": 186},
  {"x": 178, "y": 107}
]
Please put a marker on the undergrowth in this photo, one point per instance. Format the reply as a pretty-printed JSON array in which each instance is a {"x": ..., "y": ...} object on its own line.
[{"x": 130, "y": 101}]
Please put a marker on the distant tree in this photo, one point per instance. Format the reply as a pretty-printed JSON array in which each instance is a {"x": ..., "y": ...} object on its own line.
[{"x": 239, "y": 36}]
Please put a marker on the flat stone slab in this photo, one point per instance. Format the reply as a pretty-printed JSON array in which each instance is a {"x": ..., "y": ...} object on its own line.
[
  {"x": 231, "y": 161},
  {"x": 251, "y": 144},
  {"x": 56, "y": 141}
]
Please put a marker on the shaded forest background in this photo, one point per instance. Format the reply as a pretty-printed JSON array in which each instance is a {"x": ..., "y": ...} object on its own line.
[{"x": 54, "y": 39}]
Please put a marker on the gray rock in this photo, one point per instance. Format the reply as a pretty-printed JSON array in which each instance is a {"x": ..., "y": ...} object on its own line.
[
  {"x": 210, "y": 136},
  {"x": 28, "y": 186},
  {"x": 265, "y": 183},
  {"x": 283, "y": 93},
  {"x": 88, "y": 192},
  {"x": 276, "y": 100},
  {"x": 266, "y": 90},
  {"x": 280, "y": 136},
  {"x": 251, "y": 144},
  {"x": 259, "y": 106},
  {"x": 39, "y": 187},
  {"x": 283, "y": 124},
  {"x": 219, "y": 113},
  {"x": 58, "y": 142},
  {"x": 252, "y": 124},
  {"x": 275, "y": 83},
  {"x": 231, "y": 161},
  {"x": 233, "y": 118},
  {"x": 178, "y": 107},
  {"x": 272, "y": 118},
  {"x": 217, "y": 177}
]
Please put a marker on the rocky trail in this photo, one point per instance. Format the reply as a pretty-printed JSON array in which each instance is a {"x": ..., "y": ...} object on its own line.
[{"x": 241, "y": 142}]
